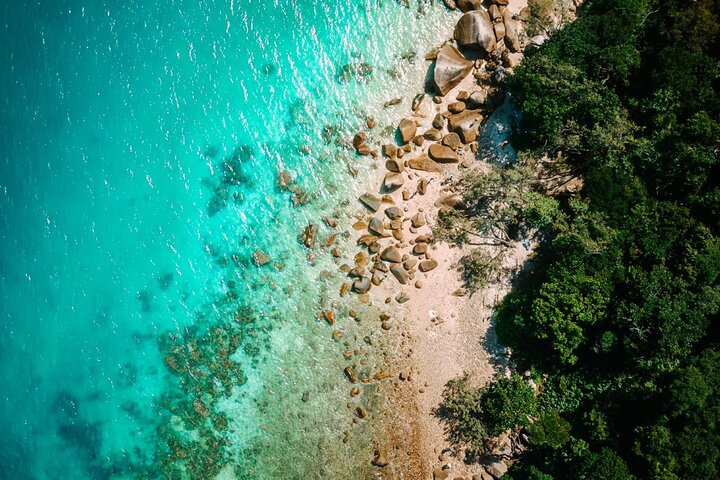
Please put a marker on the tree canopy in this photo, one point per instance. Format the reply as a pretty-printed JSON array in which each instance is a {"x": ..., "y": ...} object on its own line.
[{"x": 619, "y": 317}]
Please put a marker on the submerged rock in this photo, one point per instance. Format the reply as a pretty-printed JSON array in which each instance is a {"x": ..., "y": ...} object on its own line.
[
  {"x": 350, "y": 374},
  {"x": 359, "y": 71},
  {"x": 309, "y": 235},
  {"x": 475, "y": 31},
  {"x": 260, "y": 258},
  {"x": 380, "y": 460},
  {"x": 450, "y": 68}
]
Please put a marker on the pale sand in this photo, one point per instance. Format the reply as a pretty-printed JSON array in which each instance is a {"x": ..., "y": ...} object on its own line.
[
  {"x": 433, "y": 353},
  {"x": 428, "y": 354},
  {"x": 439, "y": 336}
]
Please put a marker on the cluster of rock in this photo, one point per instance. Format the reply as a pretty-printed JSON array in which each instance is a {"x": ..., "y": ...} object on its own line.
[
  {"x": 450, "y": 136},
  {"x": 494, "y": 34},
  {"x": 383, "y": 239},
  {"x": 395, "y": 241}
]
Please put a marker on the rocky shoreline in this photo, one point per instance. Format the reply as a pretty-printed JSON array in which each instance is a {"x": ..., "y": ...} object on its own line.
[{"x": 440, "y": 332}]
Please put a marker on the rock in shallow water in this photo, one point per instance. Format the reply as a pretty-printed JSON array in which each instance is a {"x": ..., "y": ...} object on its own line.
[
  {"x": 260, "y": 258},
  {"x": 362, "y": 285},
  {"x": 380, "y": 460},
  {"x": 309, "y": 235}
]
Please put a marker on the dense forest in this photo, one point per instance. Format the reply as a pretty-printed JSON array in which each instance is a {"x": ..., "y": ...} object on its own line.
[{"x": 617, "y": 317}]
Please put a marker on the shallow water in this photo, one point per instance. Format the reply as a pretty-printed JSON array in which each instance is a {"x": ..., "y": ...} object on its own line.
[{"x": 140, "y": 152}]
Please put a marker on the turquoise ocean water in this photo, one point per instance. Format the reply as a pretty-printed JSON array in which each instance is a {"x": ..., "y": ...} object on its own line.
[{"x": 141, "y": 145}]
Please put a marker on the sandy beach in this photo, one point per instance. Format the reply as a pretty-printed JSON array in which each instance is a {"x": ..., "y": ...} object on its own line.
[{"x": 442, "y": 330}]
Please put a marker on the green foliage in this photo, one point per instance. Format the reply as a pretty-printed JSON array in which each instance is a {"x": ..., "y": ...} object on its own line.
[
  {"x": 497, "y": 203},
  {"x": 565, "y": 307},
  {"x": 541, "y": 12},
  {"x": 498, "y": 207},
  {"x": 474, "y": 415},
  {"x": 461, "y": 412},
  {"x": 621, "y": 309},
  {"x": 605, "y": 465},
  {"x": 480, "y": 268},
  {"x": 550, "y": 429},
  {"x": 562, "y": 108},
  {"x": 507, "y": 403},
  {"x": 540, "y": 210}
]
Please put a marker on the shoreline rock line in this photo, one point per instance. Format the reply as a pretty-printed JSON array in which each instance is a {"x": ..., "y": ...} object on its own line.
[{"x": 395, "y": 251}]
